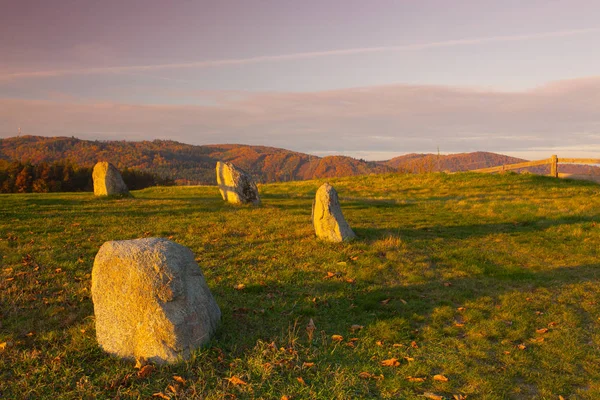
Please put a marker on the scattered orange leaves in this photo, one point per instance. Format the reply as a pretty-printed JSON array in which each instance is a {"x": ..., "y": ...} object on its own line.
[
  {"x": 522, "y": 346},
  {"x": 551, "y": 324},
  {"x": 392, "y": 362},
  {"x": 541, "y": 331},
  {"x": 239, "y": 286},
  {"x": 161, "y": 395},
  {"x": 415, "y": 379},
  {"x": 384, "y": 302},
  {"x": 414, "y": 345},
  {"x": 379, "y": 343},
  {"x": 310, "y": 329},
  {"x": 301, "y": 380},
  {"x": 308, "y": 364},
  {"x": 461, "y": 309},
  {"x": 368, "y": 375},
  {"x": 397, "y": 345},
  {"x": 179, "y": 379},
  {"x": 409, "y": 359},
  {"x": 329, "y": 275},
  {"x": 145, "y": 371},
  {"x": 236, "y": 381},
  {"x": 284, "y": 397},
  {"x": 440, "y": 378},
  {"x": 460, "y": 397},
  {"x": 337, "y": 338},
  {"x": 432, "y": 396}
]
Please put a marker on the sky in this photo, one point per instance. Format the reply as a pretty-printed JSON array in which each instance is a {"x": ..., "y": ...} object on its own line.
[{"x": 368, "y": 79}]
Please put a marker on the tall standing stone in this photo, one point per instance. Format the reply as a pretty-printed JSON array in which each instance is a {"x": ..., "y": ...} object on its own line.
[
  {"x": 236, "y": 186},
  {"x": 108, "y": 180},
  {"x": 327, "y": 216},
  {"x": 151, "y": 300}
]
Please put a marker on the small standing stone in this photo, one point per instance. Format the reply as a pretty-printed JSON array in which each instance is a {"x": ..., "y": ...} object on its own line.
[
  {"x": 108, "y": 180},
  {"x": 327, "y": 216},
  {"x": 236, "y": 186},
  {"x": 151, "y": 300}
]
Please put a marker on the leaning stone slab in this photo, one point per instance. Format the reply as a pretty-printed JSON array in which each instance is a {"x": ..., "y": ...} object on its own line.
[
  {"x": 151, "y": 300},
  {"x": 236, "y": 186},
  {"x": 327, "y": 216},
  {"x": 108, "y": 180}
]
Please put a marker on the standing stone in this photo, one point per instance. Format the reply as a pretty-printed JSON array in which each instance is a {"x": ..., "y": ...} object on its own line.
[
  {"x": 236, "y": 186},
  {"x": 327, "y": 216},
  {"x": 108, "y": 180},
  {"x": 151, "y": 300}
]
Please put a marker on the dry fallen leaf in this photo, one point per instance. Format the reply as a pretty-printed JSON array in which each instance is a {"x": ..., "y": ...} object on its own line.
[
  {"x": 5, "y": 345},
  {"x": 284, "y": 397},
  {"x": 522, "y": 346},
  {"x": 409, "y": 359},
  {"x": 329, "y": 275},
  {"x": 551, "y": 324},
  {"x": 460, "y": 396},
  {"x": 173, "y": 388},
  {"x": 355, "y": 328},
  {"x": 239, "y": 286},
  {"x": 161, "y": 395},
  {"x": 308, "y": 364},
  {"x": 179, "y": 379},
  {"x": 350, "y": 280},
  {"x": 379, "y": 343},
  {"x": 384, "y": 302},
  {"x": 432, "y": 396},
  {"x": 392, "y": 362},
  {"x": 337, "y": 338},
  {"x": 537, "y": 340},
  {"x": 414, "y": 345},
  {"x": 301, "y": 380},
  {"x": 236, "y": 381},
  {"x": 145, "y": 371},
  {"x": 440, "y": 378},
  {"x": 542, "y": 330},
  {"x": 458, "y": 325},
  {"x": 415, "y": 379},
  {"x": 460, "y": 309},
  {"x": 397, "y": 345},
  {"x": 365, "y": 375},
  {"x": 310, "y": 329}
]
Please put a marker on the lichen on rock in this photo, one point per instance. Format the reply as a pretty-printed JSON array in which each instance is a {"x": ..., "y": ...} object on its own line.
[
  {"x": 236, "y": 186},
  {"x": 151, "y": 300},
  {"x": 327, "y": 217}
]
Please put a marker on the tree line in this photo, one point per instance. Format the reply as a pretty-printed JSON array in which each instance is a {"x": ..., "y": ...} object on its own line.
[{"x": 64, "y": 176}]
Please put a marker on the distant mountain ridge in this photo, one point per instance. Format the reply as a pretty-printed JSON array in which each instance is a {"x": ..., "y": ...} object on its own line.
[
  {"x": 195, "y": 164},
  {"x": 186, "y": 163}
]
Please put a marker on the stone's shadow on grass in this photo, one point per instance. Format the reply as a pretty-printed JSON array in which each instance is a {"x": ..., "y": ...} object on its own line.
[{"x": 467, "y": 231}]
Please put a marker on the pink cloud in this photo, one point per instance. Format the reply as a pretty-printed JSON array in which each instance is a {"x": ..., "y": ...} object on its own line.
[
  {"x": 282, "y": 57},
  {"x": 395, "y": 118}
]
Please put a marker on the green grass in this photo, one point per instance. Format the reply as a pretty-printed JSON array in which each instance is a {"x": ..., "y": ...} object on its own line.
[{"x": 472, "y": 266}]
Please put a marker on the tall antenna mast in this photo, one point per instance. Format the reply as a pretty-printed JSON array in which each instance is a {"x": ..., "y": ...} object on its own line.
[{"x": 19, "y": 134}]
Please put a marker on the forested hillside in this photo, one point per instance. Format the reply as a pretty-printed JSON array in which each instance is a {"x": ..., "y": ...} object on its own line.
[{"x": 183, "y": 162}]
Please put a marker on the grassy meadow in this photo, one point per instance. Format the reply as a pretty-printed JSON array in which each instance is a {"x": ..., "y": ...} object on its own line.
[{"x": 458, "y": 286}]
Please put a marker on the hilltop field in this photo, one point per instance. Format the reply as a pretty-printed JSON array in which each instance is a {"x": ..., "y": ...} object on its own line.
[{"x": 458, "y": 286}]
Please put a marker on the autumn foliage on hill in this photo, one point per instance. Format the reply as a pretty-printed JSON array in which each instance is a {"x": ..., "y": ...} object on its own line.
[{"x": 186, "y": 164}]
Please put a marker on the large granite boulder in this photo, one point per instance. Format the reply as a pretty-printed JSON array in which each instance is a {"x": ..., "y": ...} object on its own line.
[
  {"x": 108, "y": 180},
  {"x": 236, "y": 186},
  {"x": 151, "y": 300},
  {"x": 327, "y": 216}
]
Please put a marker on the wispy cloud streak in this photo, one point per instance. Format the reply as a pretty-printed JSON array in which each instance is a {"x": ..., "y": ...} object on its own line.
[{"x": 294, "y": 56}]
